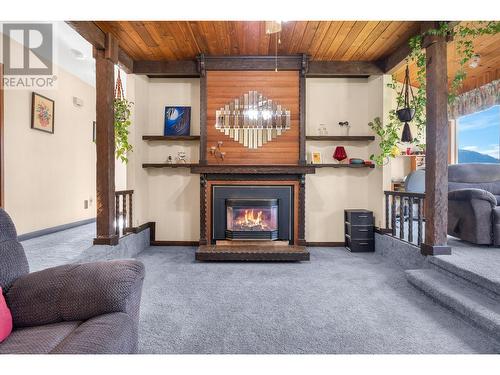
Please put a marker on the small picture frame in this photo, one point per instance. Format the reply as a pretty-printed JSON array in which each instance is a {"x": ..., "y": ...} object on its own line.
[
  {"x": 316, "y": 157},
  {"x": 42, "y": 113},
  {"x": 177, "y": 121}
]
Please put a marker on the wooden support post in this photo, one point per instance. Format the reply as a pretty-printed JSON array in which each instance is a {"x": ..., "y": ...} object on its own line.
[
  {"x": 203, "y": 109},
  {"x": 436, "y": 173},
  {"x": 105, "y": 145}
]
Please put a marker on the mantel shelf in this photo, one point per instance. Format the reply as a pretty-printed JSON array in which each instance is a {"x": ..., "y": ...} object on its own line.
[
  {"x": 342, "y": 165},
  {"x": 253, "y": 169},
  {"x": 167, "y": 165},
  {"x": 344, "y": 138},
  {"x": 170, "y": 138}
]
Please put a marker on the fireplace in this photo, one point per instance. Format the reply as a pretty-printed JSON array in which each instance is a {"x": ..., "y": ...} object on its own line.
[
  {"x": 251, "y": 219},
  {"x": 252, "y": 212}
]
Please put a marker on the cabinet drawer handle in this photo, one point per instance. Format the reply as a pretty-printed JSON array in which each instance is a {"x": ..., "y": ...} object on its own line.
[
  {"x": 362, "y": 230},
  {"x": 363, "y": 216},
  {"x": 363, "y": 243}
]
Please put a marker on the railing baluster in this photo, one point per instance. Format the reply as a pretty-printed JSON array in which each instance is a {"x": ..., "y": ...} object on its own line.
[
  {"x": 124, "y": 212},
  {"x": 393, "y": 215},
  {"x": 410, "y": 220},
  {"x": 402, "y": 218},
  {"x": 117, "y": 214},
  {"x": 386, "y": 211},
  {"x": 130, "y": 222},
  {"x": 419, "y": 230}
]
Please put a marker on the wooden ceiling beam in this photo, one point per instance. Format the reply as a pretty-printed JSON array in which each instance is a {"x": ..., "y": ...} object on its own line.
[
  {"x": 190, "y": 68},
  {"x": 395, "y": 60},
  {"x": 182, "y": 68},
  {"x": 342, "y": 68},
  {"x": 95, "y": 36}
]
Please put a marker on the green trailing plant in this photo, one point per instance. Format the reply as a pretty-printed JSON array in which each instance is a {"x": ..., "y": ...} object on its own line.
[
  {"x": 122, "y": 123},
  {"x": 463, "y": 36},
  {"x": 389, "y": 136}
]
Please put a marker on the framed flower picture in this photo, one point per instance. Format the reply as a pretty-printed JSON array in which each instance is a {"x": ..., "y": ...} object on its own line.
[{"x": 42, "y": 113}]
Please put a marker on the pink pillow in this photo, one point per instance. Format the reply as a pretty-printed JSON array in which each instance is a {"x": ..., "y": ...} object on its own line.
[{"x": 5, "y": 318}]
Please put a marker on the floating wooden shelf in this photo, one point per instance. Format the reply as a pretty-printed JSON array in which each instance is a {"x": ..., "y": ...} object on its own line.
[
  {"x": 344, "y": 138},
  {"x": 167, "y": 165},
  {"x": 170, "y": 138},
  {"x": 342, "y": 165}
]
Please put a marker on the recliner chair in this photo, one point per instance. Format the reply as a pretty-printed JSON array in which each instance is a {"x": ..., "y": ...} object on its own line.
[
  {"x": 473, "y": 203},
  {"x": 74, "y": 308}
]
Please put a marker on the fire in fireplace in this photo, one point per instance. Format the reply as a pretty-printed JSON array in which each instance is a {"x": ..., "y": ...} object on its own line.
[{"x": 252, "y": 219}]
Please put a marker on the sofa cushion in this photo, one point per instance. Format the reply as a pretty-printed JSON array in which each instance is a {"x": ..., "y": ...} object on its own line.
[
  {"x": 105, "y": 334},
  {"x": 37, "y": 340},
  {"x": 13, "y": 262},
  {"x": 5, "y": 318}
]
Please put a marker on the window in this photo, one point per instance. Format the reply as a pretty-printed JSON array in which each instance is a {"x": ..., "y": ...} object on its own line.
[{"x": 478, "y": 137}]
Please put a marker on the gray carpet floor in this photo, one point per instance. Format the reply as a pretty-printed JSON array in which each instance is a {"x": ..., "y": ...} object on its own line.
[
  {"x": 337, "y": 303},
  {"x": 58, "y": 248}
]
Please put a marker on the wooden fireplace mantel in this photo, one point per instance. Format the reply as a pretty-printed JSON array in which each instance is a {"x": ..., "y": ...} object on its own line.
[{"x": 253, "y": 169}]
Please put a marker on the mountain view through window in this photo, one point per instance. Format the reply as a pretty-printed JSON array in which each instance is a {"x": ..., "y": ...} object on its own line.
[{"x": 479, "y": 137}]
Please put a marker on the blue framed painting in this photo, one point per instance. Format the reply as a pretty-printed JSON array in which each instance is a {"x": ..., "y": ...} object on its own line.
[{"x": 177, "y": 121}]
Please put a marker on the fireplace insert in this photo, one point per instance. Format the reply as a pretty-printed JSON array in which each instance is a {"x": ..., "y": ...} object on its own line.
[
  {"x": 252, "y": 219},
  {"x": 251, "y": 212}
]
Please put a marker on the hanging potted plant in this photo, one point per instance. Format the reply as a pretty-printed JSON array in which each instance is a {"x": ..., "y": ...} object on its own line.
[
  {"x": 406, "y": 113},
  {"x": 122, "y": 109}
]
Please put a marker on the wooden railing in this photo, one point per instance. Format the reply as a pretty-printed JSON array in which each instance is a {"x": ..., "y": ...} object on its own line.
[
  {"x": 401, "y": 208},
  {"x": 123, "y": 211}
]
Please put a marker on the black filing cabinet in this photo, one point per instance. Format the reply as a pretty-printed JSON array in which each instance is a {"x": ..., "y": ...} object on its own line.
[{"x": 359, "y": 236}]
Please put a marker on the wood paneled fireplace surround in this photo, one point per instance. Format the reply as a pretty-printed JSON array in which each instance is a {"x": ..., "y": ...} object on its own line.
[{"x": 253, "y": 198}]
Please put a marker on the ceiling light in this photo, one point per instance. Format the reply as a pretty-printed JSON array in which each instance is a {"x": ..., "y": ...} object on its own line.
[
  {"x": 273, "y": 27},
  {"x": 474, "y": 61}
]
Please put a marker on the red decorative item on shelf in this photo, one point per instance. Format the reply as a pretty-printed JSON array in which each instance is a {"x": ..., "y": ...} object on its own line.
[{"x": 340, "y": 153}]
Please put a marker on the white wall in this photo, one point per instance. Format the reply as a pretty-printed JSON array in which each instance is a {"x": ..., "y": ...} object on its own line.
[
  {"x": 172, "y": 196},
  {"x": 48, "y": 176},
  {"x": 330, "y": 191}
]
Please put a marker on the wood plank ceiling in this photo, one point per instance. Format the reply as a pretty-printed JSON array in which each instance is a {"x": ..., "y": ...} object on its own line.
[
  {"x": 487, "y": 46},
  {"x": 322, "y": 40}
]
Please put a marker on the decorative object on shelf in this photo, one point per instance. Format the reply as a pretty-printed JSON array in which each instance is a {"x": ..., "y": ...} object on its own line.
[
  {"x": 345, "y": 125},
  {"x": 395, "y": 151},
  {"x": 170, "y": 160},
  {"x": 340, "y": 154},
  {"x": 252, "y": 120},
  {"x": 406, "y": 113},
  {"x": 42, "y": 113},
  {"x": 316, "y": 157},
  {"x": 122, "y": 109},
  {"x": 177, "y": 120},
  {"x": 368, "y": 162},
  {"x": 181, "y": 157},
  {"x": 216, "y": 151},
  {"x": 322, "y": 130},
  {"x": 356, "y": 161}
]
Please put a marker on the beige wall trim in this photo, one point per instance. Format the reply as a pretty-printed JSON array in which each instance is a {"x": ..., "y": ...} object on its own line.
[{"x": 43, "y": 232}]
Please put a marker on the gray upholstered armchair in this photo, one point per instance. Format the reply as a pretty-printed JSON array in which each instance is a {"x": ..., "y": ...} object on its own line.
[
  {"x": 75, "y": 308},
  {"x": 473, "y": 203}
]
